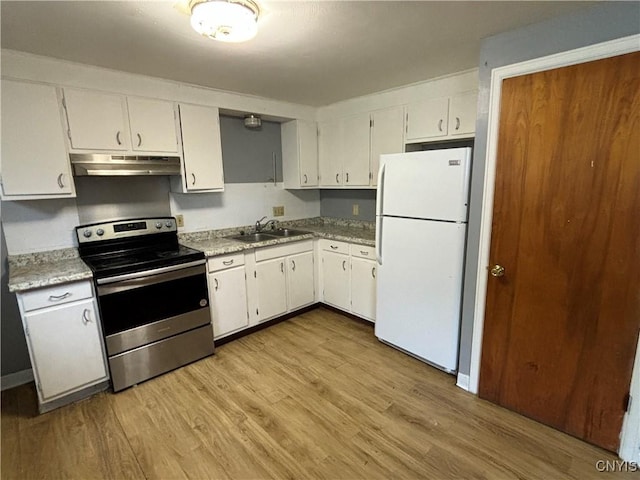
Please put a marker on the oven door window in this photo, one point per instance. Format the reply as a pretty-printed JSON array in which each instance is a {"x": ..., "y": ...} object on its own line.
[{"x": 132, "y": 303}]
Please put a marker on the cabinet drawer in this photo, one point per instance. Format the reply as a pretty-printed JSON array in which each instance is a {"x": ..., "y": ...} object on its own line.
[
  {"x": 334, "y": 246},
  {"x": 363, "y": 251},
  {"x": 48, "y": 297},
  {"x": 278, "y": 251},
  {"x": 225, "y": 261}
]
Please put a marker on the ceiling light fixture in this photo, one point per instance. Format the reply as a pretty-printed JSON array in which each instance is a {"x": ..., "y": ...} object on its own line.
[{"x": 225, "y": 20}]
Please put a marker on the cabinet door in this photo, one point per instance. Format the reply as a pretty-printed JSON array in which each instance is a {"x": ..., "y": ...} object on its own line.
[
  {"x": 462, "y": 115},
  {"x": 355, "y": 145},
  {"x": 363, "y": 288},
  {"x": 308, "y": 148},
  {"x": 427, "y": 119},
  {"x": 329, "y": 159},
  {"x": 300, "y": 280},
  {"x": 271, "y": 287},
  {"x": 201, "y": 148},
  {"x": 228, "y": 297},
  {"x": 66, "y": 347},
  {"x": 96, "y": 120},
  {"x": 34, "y": 155},
  {"x": 153, "y": 125},
  {"x": 387, "y": 136},
  {"x": 335, "y": 279}
]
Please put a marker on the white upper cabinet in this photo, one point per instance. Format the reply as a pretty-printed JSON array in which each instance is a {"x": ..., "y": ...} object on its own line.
[
  {"x": 114, "y": 123},
  {"x": 34, "y": 157},
  {"x": 202, "y": 150},
  {"x": 152, "y": 125},
  {"x": 442, "y": 118},
  {"x": 462, "y": 115},
  {"x": 387, "y": 136},
  {"x": 354, "y": 149},
  {"x": 97, "y": 121},
  {"x": 427, "y": 119},
  {"x": 300, "y": 154},
  {"x": 329, "y": 159}
]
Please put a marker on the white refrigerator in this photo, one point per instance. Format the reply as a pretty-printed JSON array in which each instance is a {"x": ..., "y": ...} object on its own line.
[{"x": 421, "y": 224}]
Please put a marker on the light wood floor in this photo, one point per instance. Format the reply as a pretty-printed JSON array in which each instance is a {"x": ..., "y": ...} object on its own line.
[{"x": 316, "y": 396}]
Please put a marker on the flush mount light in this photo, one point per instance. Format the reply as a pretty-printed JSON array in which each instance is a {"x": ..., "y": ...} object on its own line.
[{"x": 225, "y": 20}]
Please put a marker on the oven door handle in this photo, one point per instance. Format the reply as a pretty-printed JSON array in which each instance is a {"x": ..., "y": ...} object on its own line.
[{"x": 149, "y": 277}]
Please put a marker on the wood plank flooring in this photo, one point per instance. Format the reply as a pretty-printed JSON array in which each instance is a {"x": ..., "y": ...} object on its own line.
[{"x": 316, "y": 396}]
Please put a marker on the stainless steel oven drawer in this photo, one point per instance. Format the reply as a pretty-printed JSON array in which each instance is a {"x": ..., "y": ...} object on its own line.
[{"x": 143, "y": 363}]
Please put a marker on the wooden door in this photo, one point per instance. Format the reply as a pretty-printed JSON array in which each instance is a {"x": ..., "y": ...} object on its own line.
[{"x": 562, "y": 324}]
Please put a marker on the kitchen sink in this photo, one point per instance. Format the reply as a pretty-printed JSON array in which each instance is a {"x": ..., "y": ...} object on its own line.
[
  {"x": 253, "y": 237},
  {"x": 286, "y": 232}
]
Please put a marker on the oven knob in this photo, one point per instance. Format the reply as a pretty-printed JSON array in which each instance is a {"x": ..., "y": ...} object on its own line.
[
  {"x": 100, "y": 232},
  {"x": 169, "y": 224},
  {"x": 158, "y": 225},
  {"x": 87, "y": 233}
]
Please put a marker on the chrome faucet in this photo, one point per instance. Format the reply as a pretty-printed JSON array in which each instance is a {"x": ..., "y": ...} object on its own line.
[{"x": 260, "y": 226}]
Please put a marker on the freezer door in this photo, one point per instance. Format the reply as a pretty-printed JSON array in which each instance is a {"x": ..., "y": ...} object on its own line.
[
  {"x": 419, "y": 288},
  {"x": 430, "y": 185}
]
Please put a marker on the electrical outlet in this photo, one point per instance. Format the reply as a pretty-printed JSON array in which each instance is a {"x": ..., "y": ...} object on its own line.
[
  {"x": 355, "y": 210},
  {"x": 278, "y": 211},
  {"x": 180, "y": 220}
]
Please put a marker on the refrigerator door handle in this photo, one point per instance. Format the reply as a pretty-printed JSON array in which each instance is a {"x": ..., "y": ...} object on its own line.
[
  {"x": 379, "y": 239},
  {"x": 380, "y": 189}
]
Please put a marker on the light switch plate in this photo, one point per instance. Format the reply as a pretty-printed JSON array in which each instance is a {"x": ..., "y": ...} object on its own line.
[
  {"x": 355, "y": 210},
  {"x": 278, "y": 211}
]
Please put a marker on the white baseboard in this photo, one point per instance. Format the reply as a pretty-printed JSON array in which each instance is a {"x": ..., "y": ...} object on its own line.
[
  {"x": 463, "y": 381},
  {"x": 15, "y": 379}
]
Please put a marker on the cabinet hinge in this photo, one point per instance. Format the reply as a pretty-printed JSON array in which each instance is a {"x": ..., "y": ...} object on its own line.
[
  {"x": 69, "y": 133},
  {"x": 64, "y": 103},
  {"x": 39, "y": 387},
  {"x": 627, "y": 402},
  {"x": 26, "y": 331}
]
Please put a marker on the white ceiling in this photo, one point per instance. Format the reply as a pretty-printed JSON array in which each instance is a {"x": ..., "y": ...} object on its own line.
[{"x": 308, "y": 52}]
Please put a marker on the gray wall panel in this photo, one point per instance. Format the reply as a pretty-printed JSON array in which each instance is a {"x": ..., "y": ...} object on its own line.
[
  {"x": 597, "y": 24},
  {"x": 339, "y": 204},
  {"x": 247, "y": 155}
]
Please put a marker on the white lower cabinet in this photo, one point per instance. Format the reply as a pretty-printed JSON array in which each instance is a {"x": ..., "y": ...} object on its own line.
[
  {"x": 363, "y": 288},
  {"x": 64, "y": 338},
  {"x": 228, "y": 295},
  {"x": 335, "y": 276},
  {"x": 300, "y": 280},
  {"x": 271, "y": 288},
  {"x": 349, "y": 277}
]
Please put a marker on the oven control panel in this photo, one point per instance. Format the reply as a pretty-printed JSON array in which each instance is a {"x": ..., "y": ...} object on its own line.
[{"x": 96, "y": 232}]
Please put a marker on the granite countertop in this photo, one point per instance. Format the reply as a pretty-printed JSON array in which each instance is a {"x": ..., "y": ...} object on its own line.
[
  {"x": 216, "y": 242},
  {"x": 44, "y": 269}
]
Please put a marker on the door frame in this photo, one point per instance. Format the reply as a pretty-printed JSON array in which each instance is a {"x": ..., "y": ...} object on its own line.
[{"x": 630, "y": 445}]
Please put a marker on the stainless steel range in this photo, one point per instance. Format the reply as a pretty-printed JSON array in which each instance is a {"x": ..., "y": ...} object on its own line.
[{"x": 152, "y": 294}]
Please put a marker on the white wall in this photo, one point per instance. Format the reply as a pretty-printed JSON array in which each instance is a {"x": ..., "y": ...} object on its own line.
[{"x": 242, "y": 204}]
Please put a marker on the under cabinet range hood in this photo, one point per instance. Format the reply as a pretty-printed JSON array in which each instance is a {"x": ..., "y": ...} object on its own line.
[{"x": 104, "y": 165}]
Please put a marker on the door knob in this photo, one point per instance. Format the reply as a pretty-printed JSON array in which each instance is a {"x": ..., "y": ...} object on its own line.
[{"x": 497, "y": 270}]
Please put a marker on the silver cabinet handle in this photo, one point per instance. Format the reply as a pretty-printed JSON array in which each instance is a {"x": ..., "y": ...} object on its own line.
[
  {"x": 347, "y": 177},
  {"x": 362, "y": 252},
  {"x": 85, "y": 316},
  {"x": 344, "y": 265},
  {"x": 293, "y": 265},
  {"x": 333, "y": 247},
  {"x": 194, "y": 179},
  {"x": 337, "y": 178},
  {"x": 118, "y": 138},
  {"x": 305, "y": 178},
  {"x": 139, "y": 139},
  {"x": 440, "y": 125},
  {"x": 60, "y": 184},
  {"x": 216, "y": 287},
  {"x": 373, "y": 272},
  {"x": 457, "y": 123},
  {"x": 282, "y": 267},
  {"x": 57, "y": 298},
  {"x": 227, "y": 262}
]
